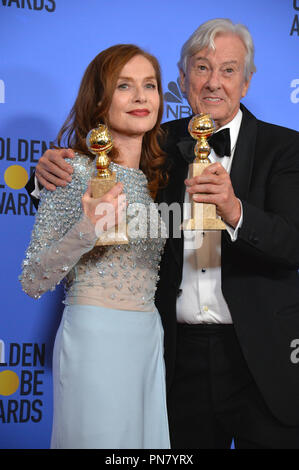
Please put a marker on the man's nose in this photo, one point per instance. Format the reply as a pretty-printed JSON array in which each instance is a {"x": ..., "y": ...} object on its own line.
[{"x": 213, "y": 81}]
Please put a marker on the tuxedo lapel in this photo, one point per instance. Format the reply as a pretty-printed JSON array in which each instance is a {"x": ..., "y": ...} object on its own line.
[
  {"x": 242, "y": 165},
  {"x": 240, "y": 174}
]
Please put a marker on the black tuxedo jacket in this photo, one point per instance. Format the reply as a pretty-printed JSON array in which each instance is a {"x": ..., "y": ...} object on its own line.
[{"x": 260, "y": 280}]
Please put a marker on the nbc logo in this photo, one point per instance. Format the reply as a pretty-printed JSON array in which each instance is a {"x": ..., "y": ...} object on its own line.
[{"x": 176, "y": 105}]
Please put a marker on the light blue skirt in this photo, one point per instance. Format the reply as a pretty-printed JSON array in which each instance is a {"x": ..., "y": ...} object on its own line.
[{"x": 109, "y": 380}]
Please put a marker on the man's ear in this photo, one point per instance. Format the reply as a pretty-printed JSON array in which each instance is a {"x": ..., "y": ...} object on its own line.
[
  {"x": 182, "y": 81},
  {"x": 246, "y": 86}
]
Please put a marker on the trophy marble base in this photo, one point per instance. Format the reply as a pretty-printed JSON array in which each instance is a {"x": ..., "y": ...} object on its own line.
[
  {"x": 205, "y": 225},
  {"x": 204, "y": 215},
  {"x": 116, "y": 235}
]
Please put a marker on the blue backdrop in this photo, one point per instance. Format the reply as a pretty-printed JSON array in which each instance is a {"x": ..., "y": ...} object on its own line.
[{"x": 45, "y": 47}]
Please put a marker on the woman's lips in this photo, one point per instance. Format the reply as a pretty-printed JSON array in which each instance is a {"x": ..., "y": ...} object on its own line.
[{"x": 139, "y": 112}]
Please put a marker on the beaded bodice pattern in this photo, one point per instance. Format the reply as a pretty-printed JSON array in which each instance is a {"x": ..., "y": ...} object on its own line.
[{"x": 63, "y": 239}]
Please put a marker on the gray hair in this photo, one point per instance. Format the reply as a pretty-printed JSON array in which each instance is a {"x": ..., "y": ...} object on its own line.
[{"x": 204, "y": 37}]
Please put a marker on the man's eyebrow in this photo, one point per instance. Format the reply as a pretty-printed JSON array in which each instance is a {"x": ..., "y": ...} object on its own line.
[
  {"x": 197, "y": 59},
  {"x": 230, "y": 62},
  {"x": 201, "y": 58}
]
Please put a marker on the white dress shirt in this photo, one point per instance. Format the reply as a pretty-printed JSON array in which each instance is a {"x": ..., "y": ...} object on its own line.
[{"x": 201, "y": 299}]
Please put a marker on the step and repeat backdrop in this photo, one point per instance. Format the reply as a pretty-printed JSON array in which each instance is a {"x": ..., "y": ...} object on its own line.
[{"x": 45, "y": 47}]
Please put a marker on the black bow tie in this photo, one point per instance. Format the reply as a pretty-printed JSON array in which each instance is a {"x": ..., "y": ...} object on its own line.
[{"x": 220, "y": 142}]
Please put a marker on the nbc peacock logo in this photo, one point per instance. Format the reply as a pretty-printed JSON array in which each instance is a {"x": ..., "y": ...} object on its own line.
[{"x": 177, "y": 106}]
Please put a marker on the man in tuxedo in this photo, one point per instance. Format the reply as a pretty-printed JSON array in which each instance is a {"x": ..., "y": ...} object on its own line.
[{"x": 229, "y": 304}]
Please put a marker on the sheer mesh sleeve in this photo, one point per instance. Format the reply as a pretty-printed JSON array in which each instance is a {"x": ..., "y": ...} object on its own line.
[{"x": 61, "y": 234}]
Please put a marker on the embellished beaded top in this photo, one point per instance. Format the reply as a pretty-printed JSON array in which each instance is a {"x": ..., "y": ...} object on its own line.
[{"x": 63, "y": 240}]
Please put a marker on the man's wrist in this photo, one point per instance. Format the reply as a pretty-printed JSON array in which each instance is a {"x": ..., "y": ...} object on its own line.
[
  {"x": 235, "y": 217},
  {"x": 233, "y": 231}
]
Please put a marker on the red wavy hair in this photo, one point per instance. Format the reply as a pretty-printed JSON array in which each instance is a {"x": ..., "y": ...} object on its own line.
[{"x": 92, "y": 105}]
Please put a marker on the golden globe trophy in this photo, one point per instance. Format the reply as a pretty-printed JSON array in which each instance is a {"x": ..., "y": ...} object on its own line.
[
  {"x": 203, "y": 215},
  {"x": 99, "y": 142}
]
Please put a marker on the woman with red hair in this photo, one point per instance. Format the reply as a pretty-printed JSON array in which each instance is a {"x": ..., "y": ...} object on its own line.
[{"x": 108, "y": 367}]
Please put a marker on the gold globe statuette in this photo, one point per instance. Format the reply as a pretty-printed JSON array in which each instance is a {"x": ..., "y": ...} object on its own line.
[
  {"x": 99, "y": 142},
  {"x": 203, "y": 215}
]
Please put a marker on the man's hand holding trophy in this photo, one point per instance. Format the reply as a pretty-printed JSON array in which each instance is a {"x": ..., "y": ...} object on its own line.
[{"x": 203, "y": 215}]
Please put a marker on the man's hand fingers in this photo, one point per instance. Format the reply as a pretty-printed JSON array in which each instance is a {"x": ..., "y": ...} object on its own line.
[
  {"x": 214, "y": 168},
  {"x": 213, "y": 174},
  {"x": 46, "y": 184},
  {"x": 53, "y": 169},
  {"x": 58, "y": 159},
  {"x": 195, "y": 183},
  {"x": 43, "y": 175},
  {"x": 205, "y": 189},
  {"x": 57, "y": 156}
]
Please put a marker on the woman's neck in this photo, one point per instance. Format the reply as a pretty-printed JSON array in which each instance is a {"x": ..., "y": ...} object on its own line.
[{"x": 129, "y": 150}]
